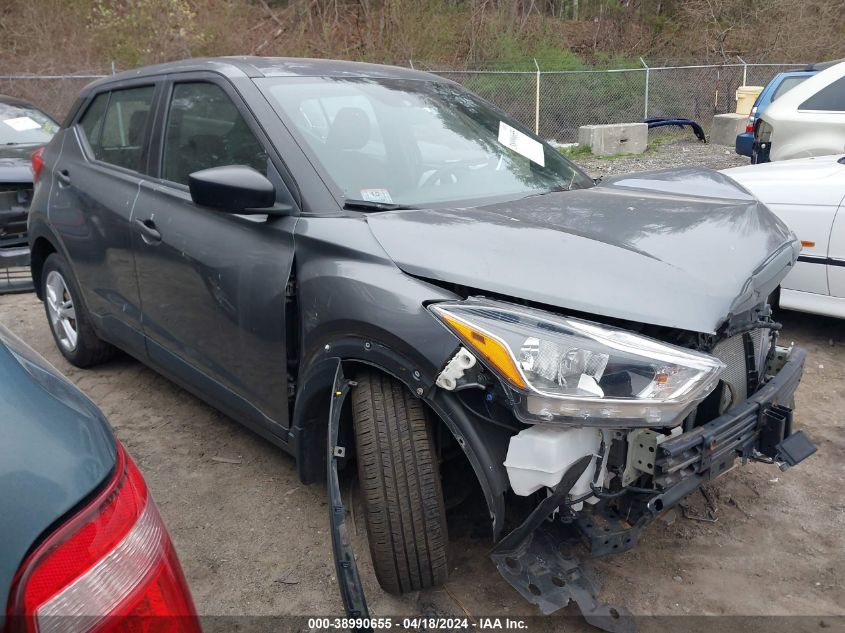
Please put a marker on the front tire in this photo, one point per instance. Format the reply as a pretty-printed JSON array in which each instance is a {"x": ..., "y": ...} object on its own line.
[
  {"x": 68, "y": 318},
  {"x": 400, "y": 482}
]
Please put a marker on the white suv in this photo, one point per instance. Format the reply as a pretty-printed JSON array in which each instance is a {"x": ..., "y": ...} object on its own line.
[{"x": 809, "y": 120}]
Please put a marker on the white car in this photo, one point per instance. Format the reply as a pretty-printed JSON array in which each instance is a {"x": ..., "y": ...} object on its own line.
[
  {"x": 809, "y": 195},
  {"x": 809, "y": 120}
]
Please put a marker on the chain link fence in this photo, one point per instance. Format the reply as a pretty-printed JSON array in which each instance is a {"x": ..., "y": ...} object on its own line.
[
  {"x": 52, "y": 93},
  {"x": 554, "y": 102},
  {"x": 557, "y": 102}
]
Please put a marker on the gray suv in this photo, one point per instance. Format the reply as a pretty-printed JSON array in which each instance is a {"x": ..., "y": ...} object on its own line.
[{"x": 274, "y": 234}]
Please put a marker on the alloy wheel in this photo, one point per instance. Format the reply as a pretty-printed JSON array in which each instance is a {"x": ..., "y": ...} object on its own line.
[{"x": 61, "y": 310}]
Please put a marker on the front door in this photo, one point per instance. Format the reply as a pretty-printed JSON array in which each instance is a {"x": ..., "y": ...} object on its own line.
[{"x": 212, "y": 284}]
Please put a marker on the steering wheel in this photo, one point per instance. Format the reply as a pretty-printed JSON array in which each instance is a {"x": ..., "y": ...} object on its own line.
[{"x": 438, "y": 177}]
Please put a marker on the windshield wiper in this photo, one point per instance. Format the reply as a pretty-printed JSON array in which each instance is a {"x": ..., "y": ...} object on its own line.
[{"x": 371, "y": 205}]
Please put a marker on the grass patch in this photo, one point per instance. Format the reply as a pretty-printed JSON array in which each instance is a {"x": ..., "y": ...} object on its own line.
[
  {"x": 655, "y": 142},
  {"x": 576, "y": 151},
  {"x": 583, "y": 151}
]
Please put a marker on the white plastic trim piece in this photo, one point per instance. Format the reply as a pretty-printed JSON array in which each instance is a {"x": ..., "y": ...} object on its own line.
[{"x": 455, "y": 368}]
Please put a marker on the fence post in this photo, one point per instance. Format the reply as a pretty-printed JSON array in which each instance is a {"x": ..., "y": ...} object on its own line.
[
  {"x": 537, "y": 101},
  {"x": 744, "y": 71},
  {"x": 647, "y": 72}
]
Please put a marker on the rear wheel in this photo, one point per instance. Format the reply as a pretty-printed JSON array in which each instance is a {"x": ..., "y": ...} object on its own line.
[
  {"x": 68, "y": 318},
  {"x": 400, "y": 482}
]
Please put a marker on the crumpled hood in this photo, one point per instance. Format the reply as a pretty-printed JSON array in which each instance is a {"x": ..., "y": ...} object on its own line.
[{"x": 683, "y": 248}]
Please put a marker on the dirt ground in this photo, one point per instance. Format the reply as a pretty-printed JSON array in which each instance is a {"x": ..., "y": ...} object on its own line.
[{"x": 254, "y": 541}]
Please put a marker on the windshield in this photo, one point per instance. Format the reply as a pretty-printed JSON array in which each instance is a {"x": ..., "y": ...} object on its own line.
[
  {"x": 416, "y": 143},
  {"x": 24, "y": 125},
  {"x": 788, "y": 84}
]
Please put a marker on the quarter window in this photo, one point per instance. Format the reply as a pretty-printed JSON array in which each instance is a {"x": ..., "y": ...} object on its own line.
[
  {"x": 120, "y": 139},
  {"x": 205, "y": 129},
  {"x": 829, "y": 99},
  {"x": 92, "y": 120}
]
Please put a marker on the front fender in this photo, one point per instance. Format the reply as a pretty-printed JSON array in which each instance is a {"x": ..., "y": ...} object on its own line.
[{"x": 354, "y": 304}]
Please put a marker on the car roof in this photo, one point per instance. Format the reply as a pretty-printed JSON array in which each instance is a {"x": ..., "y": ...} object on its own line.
[
  {"x": 796, "y": 73},
  {"x": 792, "y": 99},
  {"x": 243, "y": 66},
  {"x": 827, "y": 64}
]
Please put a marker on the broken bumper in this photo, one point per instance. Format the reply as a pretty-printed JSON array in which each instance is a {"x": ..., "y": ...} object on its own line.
[
  {"x": 15, "y": 275},
  {"x": 536, "y": 558},
  {"x": 762, "y": 425}
]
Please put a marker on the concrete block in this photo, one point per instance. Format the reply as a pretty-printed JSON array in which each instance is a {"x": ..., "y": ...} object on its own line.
[
  {"x": 726, "y": 127},
  {"x": 616, "y": 138}
]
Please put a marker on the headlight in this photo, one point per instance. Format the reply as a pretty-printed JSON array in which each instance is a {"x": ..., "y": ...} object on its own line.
[{"x": 568, "y": 369}]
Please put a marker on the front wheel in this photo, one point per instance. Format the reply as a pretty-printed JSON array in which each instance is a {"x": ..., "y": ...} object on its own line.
[
  {"x": 400, "y": 480},
  {"x": 68, "y": 318}
]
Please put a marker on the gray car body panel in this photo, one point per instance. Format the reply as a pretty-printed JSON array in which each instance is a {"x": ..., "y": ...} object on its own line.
[
  {"x": 639, "y": 248},
  {"x": 57, "y": 449}
]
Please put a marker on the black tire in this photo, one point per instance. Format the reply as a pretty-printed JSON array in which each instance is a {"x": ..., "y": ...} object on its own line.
[
  {"x": 89, "y": 349},
  {"x": 400, "y": 483}
]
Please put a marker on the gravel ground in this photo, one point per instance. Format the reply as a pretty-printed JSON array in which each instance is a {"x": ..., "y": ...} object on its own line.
[
  {"x": 670, "y": 152},
  {"x": 254, "y": 541}
]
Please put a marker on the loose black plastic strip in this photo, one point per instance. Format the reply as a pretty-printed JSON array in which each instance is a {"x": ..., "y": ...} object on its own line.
[
  {"x": 532, "y": 559},
  {"x": 348, "y": 580},
  {"x": 544, "y": 508}
]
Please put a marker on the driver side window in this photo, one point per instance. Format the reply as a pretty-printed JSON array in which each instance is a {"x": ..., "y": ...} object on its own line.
[{"x": 204, "y": 129}]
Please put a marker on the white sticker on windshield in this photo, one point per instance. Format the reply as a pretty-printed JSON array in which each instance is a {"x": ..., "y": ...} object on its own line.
[
  {"x": 376, "y": 195},
  {"x": 521, "y": 143},
  {"x": 22, "y": 124}
]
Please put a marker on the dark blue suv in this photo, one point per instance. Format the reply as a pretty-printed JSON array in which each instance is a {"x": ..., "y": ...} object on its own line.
[{"x": 779, "y": 85}]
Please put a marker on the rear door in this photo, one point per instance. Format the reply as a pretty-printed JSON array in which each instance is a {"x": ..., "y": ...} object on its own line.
[
  {"x": 212, "y": 284},
  {"x": 96, "y": 181}
]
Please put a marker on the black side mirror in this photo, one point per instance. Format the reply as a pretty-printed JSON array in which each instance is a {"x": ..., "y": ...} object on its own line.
[{"x": 235, "y": 189}]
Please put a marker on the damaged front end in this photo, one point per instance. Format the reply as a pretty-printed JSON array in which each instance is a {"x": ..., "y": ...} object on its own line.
[
  {"x": 608, "y": 429},
  {"x": 612, "y": 428}
]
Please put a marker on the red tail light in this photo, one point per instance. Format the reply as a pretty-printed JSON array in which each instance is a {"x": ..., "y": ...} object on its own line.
[
  {"x": 37, "y": 164},
  {"x": 749, "y": 127},
  {"x": 110, "y": 567}
]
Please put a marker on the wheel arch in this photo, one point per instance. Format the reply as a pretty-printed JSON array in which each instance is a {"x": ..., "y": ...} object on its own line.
[
  {"x": 43, "y": 242},
  {"x": 40, "y": 250},
  {"x": 483, "y": 446}
]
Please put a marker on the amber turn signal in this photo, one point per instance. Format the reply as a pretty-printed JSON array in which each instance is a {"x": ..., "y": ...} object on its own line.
[{"x": 488, "y": 347}]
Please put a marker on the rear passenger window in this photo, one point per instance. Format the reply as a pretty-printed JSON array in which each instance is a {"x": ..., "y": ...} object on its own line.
[
  {"x": 119, "y": 138},
  {"x": 830, "y": 99},
  {"x": 205, "y": 129}
]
